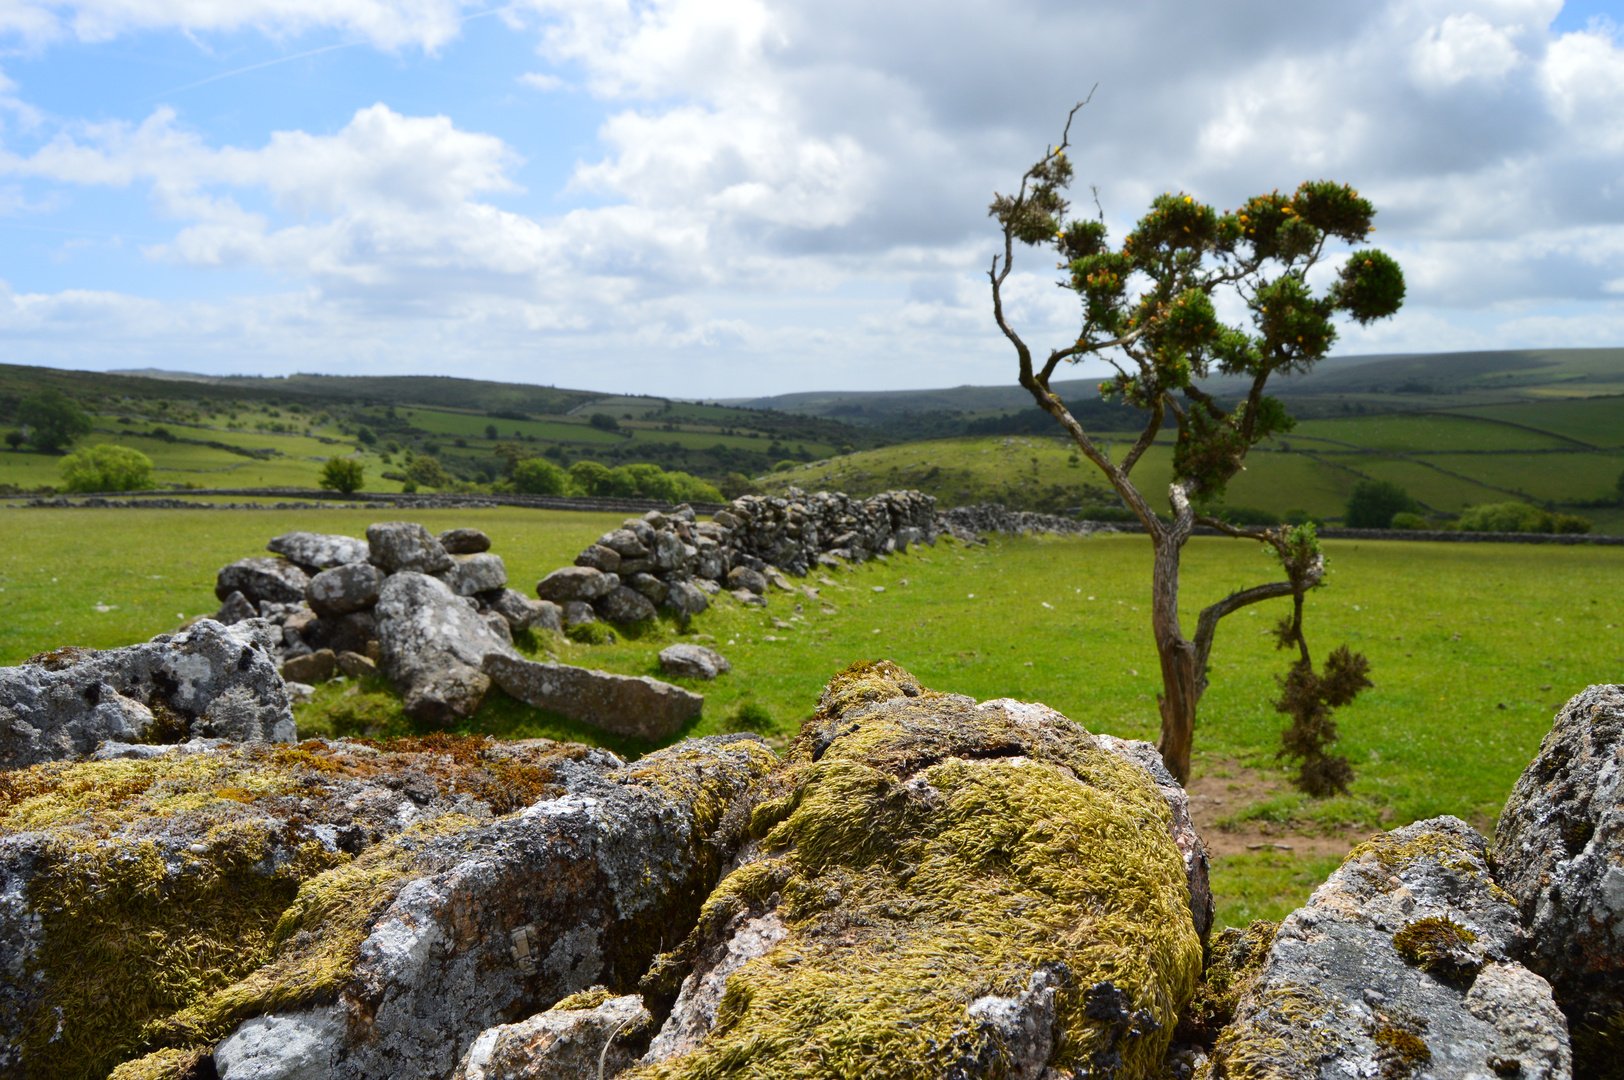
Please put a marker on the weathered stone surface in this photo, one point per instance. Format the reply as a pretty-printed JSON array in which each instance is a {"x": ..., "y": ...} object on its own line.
[
  {"x": 405, "y": 545},
  {"x": 686, "y": 599},
  {"x": 262, "y": 578},
  {"x": 576, "y": 583},
  {"x": 692, "y": 661},
  {"x": 970, "y": 890},
  {"x": 347, "y": 633},
  {"x": 235, "y": 610},
  {"x": 742, "y": 577},
  {"x": 669, "y": 553},
  {"x": 294, "y": 1046},
  {"x": 464, "y": 541},
  {"x": 499, "y": 625},
  {"x": 578, "y": 613},
  {"x": 523, "y": 613},
  {"x": 319, "y": 551},
  {"x": 343, "y": 589},
  {"x": 599, "y": 557},
  {"x": 1559, "y": 851},
  {"x": 649, "y": 585},
  {"x": 473, "y": 574},
  {"x": 625, "y": 606},
  {"x": 315, "y": 667},
  {"x": 208, "y": 681},
  {"x": 139, "y": 898},
  {"x": 1191, "y": 849},
  {"x": 355, "y": 665},
  {"x": 1400, "y": 963},
  {"x": 560, "y": 1044},
  {"x": 625, "y": 543},
  {"x": 633, "y": 706},
  {"x": 432, "y": 645}
]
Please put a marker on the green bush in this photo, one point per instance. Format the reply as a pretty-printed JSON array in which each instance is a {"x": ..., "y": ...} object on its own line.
[
  {"x": 426, "y": 471},
  {"x": 1519, "y": 517},
  {"x": 53, "y": 420},
  {"x": 342, "y": 474},
  {"x": 592, "y": 633},
  {"x": 784, "y": 466},
  {"x": 538, "y": 476},
  {"x": 1374, "y": 502},
  {"x": 1407, "y": 520},
  {"x": 590, "y": 477},
  {"x": 604, "y": 422},
  {"x": 107, "y": 468}
]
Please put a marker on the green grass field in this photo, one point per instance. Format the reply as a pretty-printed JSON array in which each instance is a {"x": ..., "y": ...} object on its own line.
[
  {"x": 1473, "y": 647},
  {"x": 472, "y": 426}
]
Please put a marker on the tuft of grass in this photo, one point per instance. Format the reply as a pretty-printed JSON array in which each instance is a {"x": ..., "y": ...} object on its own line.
[{"x": 1265, "y": 885}]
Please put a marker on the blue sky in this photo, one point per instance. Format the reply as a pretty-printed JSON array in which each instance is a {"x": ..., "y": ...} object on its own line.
[{"x": 737, "y": 197}]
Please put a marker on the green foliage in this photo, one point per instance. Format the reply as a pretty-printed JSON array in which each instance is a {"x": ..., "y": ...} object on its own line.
[
  {"x": 53, "y": 420},
  {"x": 752, "y": 716},
  {"x": 735, "y": 484},
  {"x": 538, "y": 476},
  {"x": 644, "y": 481},
  {"x": 15, "y": 439},
  {"x": 342, "y": 474},
  {"x": 366, "y": 435},
  {"x": 425, "y": 470},
  {"x": 592, "y": 633},
  {"x": 1519, "y": 517},
  {"x": 107, "y": 468},
  {"x": 604, "y": 422},
  {"x": 1373, "y": 504},
  {"x": 1309, "y": 699},
  {"x": 785, "y": 466},
  {"x": 1407, "y": 520}
]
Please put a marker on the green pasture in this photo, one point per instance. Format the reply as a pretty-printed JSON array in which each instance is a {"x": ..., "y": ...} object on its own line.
[
  {"x": 1424, "y": 432},
  {"x": 1597, "y": 420},
  {"x": 1473, "y": 647},
  {"x": 704, "y": 440},
  {"x": 178, "y": 463}
]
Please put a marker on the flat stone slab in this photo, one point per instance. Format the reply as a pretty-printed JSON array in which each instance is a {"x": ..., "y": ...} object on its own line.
[{"x": 635, "y": 706}]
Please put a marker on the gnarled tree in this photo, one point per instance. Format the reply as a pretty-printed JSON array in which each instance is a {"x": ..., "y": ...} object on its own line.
[{"x": 1147, "y": 310}]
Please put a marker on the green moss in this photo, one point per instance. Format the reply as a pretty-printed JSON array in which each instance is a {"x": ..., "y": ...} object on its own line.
[
  {"x": 167, "y": 1065},
  {"x": 590, "y": 998},
  {"x": 1400, "y": 1050},
  {"x": 1598, "y": 1044},
  {"x": 1296, "y": 1011},
  {"x": 592, "y": 633},
  {"x": 1235, "y": 959},
  {"x": 1440, "y": 945},
  {"x": 927, "y": 854}
]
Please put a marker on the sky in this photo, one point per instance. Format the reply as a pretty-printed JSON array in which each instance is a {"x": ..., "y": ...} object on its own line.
[{"x": 727, "y": 198}]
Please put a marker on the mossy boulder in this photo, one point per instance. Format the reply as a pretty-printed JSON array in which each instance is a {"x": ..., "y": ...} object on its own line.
[
  {"x": 1401, "y": 964},
  {"x": 377, "y": 904},
  {"x": 932, "y": 888}
]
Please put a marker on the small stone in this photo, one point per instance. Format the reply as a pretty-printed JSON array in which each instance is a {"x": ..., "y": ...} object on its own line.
[
  {"x": 578, "y": 613},
  {"x": 319, "y": 551},
  {"x": 686, "y": 599},
  {"x": 262, "y": 578},
  {"x": 235, "y": 610},
  {"x": 631, "y": 706},
  {"x": 599, "y": 557},
  {"x": 343, "y": 589},
  {"x": 464, "y": 541},
  {"x": 316, "y": 667},
  {"x": 472, "y": 574},
  {"x": 693, "y": 661},
  {"x": 355, "y": 665},
  {"x": 625, "y": 543},
  {"x": 625, "y": 606},
  {"x": 742, "y": 577},
  {"x": 405, "y": 545},
  {"x": 649, "y": 585},
  {"x": 576, "y": 583}
]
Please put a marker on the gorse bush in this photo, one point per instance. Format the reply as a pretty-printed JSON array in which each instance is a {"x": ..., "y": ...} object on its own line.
[{"x": 107, "y": 468}]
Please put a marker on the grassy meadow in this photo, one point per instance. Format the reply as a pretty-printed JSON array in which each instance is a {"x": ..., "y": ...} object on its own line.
[{"x": 1473, "y": 646}]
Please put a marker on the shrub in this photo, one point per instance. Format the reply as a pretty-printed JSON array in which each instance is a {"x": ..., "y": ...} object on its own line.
[
  {"x": 342, "y": 474},
  {"x": 1407, "y": 520},
  {"x": 52, "y": 419},
  {"x": 107, "y": 468},
  {"x": 537, "y": 476},
  {"x": 15, "y": 439},
  {"x": 592, "y": 633},
  {"x": 426, "y": 471},
  {"x": 735, "y": 484},
  {"x": 1518, "y": 517},
  {"x": 590, "y": 477},
  {"x": 1571, "y": 523},
  {"x": 784, "y": 466},
  {"x": 604, "y": 422},
  {"x": 1374, "y": 502}
]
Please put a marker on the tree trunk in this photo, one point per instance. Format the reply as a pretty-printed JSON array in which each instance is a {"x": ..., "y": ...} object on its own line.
[{"x": 1182, "y": 684}]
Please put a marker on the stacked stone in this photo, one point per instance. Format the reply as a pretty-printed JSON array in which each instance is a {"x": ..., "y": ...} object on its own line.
[
  {"x": 970, "y": 522},
  {"x": 676, "y": 561}
]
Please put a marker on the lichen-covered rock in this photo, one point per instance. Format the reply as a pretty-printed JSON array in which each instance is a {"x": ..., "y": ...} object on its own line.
[
  {"x": 140, "y": 897},
  {"x": 235, "y": 609},
  {"x": 1559, "y": 851},
  {"x": 742, "y": 577},
  {"x": 693, "y": 661},
  {"x": 464, "y": 541},
  {"x": 433, "y": 644},
  {"x": 262, "y": 578},
  {"x": 343, "y": 589},
  {"x": 405, "y": 545},
  {"x": 685, "y": 599},
  {"x": 208, "y": 681},
  {"x": 313, "y": 667},
  {"x": 319, "y": 551},
  {"x": 937, "y": 888},
  {"x": 523, "y": 613},
  {"x": 634, "y": 706},
  {"x": 1194, "y": 852},
  {"x": 625, "y": 542},
  {"x": 625, "y": 606},
  {"x": 478, "y": 573},
  {"x": 582, "y": 583},
  {"x": 599, "y": 557},
  {"x": 574, "y": 1040},
  {"x": 1401, "y": 963}
]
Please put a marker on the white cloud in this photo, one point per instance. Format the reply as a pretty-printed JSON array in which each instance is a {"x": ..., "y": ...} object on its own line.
[{"x": 426, "y": 24}]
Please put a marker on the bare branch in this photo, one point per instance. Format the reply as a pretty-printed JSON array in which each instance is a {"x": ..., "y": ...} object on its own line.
[{"x": 1146, "y": 437}]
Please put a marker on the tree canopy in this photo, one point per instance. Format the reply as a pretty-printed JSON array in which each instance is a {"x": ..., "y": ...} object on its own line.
[
  {"x": 53, "y": 419},
  {"x": 107, "y": 468}
]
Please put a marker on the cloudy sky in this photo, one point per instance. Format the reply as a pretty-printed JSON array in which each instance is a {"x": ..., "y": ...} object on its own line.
[{"x": 730, "y": 197}]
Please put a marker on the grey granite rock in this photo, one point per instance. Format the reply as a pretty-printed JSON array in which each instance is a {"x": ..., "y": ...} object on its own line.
[
  {"x": 625, "y": 543},
  {"x": 578, "y": 613},
  {"x": 464, "y": 541},
  {"x": 208, "y": 681},
  {"x": 433, "y": 644},
  {"x": 599, "y": 557},
  {"x": 1401, "y": 963},
  {"x": 624, "y": 606},
  {"x": 627, "y": 705},
  {"x": 560, "y": 1044},
  {"x": 649, "y": 585},
  {"x": 686, "y": 599},
  {"x": 262, "y": 578},
  {"x": 319, "y": 551},
  {"x": 742, "y": 577},
  {"x": 343, "y": 589},
  {"x": 405, "y": 545},
  {"x": 291, "y": 1046},
  {"x": 235, "y": 609},
  {"x": 692, "y": 661},
  {"x": 576, "y": 583},
  {"x": 473, "y": 574},
  {"x": 1559, "y": 851}
]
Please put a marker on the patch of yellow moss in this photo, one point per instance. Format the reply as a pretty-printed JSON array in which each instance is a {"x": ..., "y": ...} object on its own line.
[
  {"x": 924, "y": 854},
  {"x": 163, "y": 1065}
]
